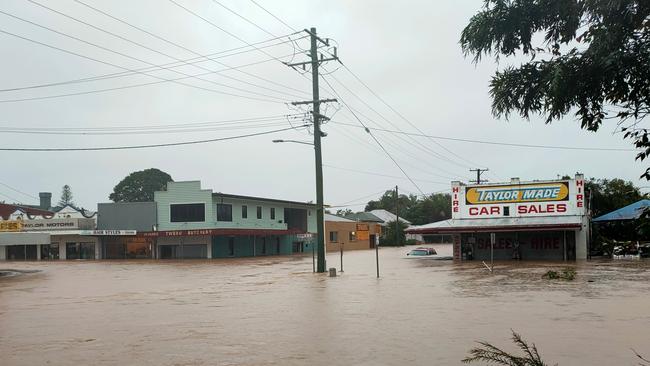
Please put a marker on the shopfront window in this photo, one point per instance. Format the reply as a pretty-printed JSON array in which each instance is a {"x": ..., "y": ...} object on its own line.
[
  {"x": 50, "y": 251},
  {"x": 80, "y": 250}
]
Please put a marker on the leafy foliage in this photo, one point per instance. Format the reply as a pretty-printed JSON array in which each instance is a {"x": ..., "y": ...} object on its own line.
[
  {"x": 140, "y": 186},
  {"x": 388, "y": 234},
  {"x": 417, "y": 210},
  {"x": 492, "y": 354},
  {"x": 66, "y": 196},
  {"x": 568, "y": 274},
  {"x": 594, "y": 59}
]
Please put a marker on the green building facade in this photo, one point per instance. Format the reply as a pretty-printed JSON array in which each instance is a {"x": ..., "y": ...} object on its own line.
[{"x": 198, "y": 223}]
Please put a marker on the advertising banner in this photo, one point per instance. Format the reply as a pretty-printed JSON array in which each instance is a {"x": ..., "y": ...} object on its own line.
[{"x": 547, "y": 198}]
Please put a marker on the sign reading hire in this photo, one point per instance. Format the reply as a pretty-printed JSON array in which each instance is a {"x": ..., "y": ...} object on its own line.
[{"x": 549, "y": 198}]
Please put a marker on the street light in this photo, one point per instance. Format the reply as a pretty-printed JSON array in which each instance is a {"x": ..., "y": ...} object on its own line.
[{"x": 294, "y": 141}]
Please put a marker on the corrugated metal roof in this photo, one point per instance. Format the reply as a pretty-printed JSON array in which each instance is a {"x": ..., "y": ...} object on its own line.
[
  {"x": 501, "y": 223},
  {"x": 629, "y": 212},
  {"x": 330, "y": 217},
  {"x": 364, "y": 216},
  {"x": 388, "y": 216}
]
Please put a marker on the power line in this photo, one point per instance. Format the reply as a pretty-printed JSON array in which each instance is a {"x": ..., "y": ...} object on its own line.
[
  {"x": 128, "y": 56},
  {"x": 148, "y": 127},
  {"x": 166, "y": 66},
  {"x": 123, "y": 68},
  {"x": 377, "y": 150},
  {"x": 418, "y": 143},
  {"x": 494, "y": 142},
  {"x": 397, "y": 112},
  {"x": 385, "y": 175},
  {"x": 190, "y": 50},
  {"x": 244, "y": 18},
  {"x": 373, "y": 137},
  {"x": 364, "y": 197},
  {"x": 131, "y": 147},
  {"x": 271, "y": 14},
  {"x": 19, "y": 191}
]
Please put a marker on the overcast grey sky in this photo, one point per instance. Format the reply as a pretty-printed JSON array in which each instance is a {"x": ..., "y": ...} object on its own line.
[{"x": 407, "y": 52}]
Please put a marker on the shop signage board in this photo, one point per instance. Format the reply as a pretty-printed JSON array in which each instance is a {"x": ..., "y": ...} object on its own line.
[
  {"x": 58, "y": 224},
  {"x": 548, "y": 198},
  {"x": 14, "y": 225}
]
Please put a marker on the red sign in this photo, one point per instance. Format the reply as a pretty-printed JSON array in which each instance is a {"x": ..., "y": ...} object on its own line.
[{"x": 210, "y": 232}]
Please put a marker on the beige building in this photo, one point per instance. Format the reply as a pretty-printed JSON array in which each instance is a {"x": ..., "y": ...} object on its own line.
[{"x": 352, "y": 235}]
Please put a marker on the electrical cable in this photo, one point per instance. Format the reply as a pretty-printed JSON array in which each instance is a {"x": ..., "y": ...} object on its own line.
[
  {"x": 494, "y": 142},
  {"x": 132, "y": 147},
  {"x": 385, "y": 175},
  {"x": 123, "y": 68},
  {"x": 19, "y": 191},
  {"x": 190, "y": 50},
  {"x": 128, "y": 56},
  {"x": 166, "y": 66},
  {"x": 374, "y": 138},
  {"x": 271, "y": 14},
  {"x": 148, "y": 127}
]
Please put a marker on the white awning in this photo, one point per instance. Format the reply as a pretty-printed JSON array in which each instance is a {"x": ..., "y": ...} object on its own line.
[
  {"x": 24, "y": 238},
  {"x": 500, "y": 224}
]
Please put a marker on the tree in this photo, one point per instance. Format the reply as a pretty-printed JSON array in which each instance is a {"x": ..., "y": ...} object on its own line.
[
  {"x": 66, "y": 196},
  {"x": 432, "y": 208},
  {"x": 343, "y": 212},
  {"x": 388, "y": 234},
  {"x": 139, "y": 186},
  {"x": 387, "y": 202},
  {"x": 594, "y": 61},
  {"x": 491, "y": 354}
]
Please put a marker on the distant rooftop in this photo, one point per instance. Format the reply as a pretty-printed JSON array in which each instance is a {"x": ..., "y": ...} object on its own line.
[{"x": 364, "y": 217}]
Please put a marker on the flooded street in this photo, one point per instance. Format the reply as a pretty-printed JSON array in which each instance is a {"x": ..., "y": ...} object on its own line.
[{"x": 275, "y": 311}]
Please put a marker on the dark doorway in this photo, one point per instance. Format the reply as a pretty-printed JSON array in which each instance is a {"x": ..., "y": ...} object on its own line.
[
  {"x": 298, "y": 247},
  {"x": 372, "y": 240}
]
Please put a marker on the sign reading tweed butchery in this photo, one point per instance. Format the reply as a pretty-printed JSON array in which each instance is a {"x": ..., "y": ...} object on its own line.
[{"x": 518, "y": 199}]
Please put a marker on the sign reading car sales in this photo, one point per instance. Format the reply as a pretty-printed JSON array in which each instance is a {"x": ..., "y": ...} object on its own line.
[{"x": 549, "y": 198}]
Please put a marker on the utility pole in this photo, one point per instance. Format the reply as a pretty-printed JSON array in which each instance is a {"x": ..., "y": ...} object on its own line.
[
  {"x": 315, "y": 62},
  {"x": 479, "y": 171},
  {"x": 396, "y": 216}
]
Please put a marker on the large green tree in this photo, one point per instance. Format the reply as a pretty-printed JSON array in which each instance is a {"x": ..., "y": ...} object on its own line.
[
  {"x": 387, "y": 202},
  {"x": 590, "y": 58},
  {"x": 139, "y": 186}
]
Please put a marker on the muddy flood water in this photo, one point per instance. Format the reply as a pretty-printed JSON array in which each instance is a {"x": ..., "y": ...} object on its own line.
[{"x": 275, "y": 311}]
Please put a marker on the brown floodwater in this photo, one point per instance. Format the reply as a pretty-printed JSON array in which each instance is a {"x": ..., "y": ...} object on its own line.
[{"x": 275, "y": 311}]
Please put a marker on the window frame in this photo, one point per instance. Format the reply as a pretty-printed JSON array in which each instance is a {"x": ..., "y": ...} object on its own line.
[
  {"x": 259, "y": 212},
  {"x": 334, "y": 238},
  {"x": 272, "y": 213},
  {"x": 244, "y": 211},
  {"x": 222, "y": 205},
  {"x": 171, "y": 219}
]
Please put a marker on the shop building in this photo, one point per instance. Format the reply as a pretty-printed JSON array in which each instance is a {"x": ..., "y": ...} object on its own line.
[
  {"x": 349, "y": 234},
  {"x": 186, "y": 221},
  {"x": 120, "y": 223},
  {"x": 48, "y": 239},
  {"x": 539, "y": 220}
]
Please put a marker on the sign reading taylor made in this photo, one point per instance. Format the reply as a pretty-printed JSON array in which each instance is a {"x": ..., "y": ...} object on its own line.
[{"x": 548, "y": 198}]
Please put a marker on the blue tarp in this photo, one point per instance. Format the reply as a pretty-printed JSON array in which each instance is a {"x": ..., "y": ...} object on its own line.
[{"x": 629, "y": 212}]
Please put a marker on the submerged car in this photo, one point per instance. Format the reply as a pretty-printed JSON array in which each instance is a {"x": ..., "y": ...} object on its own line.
[
  {"x": 426, "y": 253},
  {"x": 422, "y": 252}
]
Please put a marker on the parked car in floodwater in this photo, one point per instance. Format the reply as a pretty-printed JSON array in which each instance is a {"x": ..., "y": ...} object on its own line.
[{"x": 426, "y": 253}]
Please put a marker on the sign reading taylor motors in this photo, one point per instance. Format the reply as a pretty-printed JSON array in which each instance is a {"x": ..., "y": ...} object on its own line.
[{"x": 549, "y": 198}]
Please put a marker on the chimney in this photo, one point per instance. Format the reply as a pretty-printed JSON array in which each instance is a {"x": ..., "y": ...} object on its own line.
[
  {"x": 514, "y": 180},
  {"x": 46, "y": 200}
]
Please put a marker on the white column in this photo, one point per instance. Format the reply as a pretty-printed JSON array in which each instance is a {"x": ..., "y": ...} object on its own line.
[
  {"x": 38, "y": 252},
  {"x": 62, "y": 249},
  {"x": 3, "y": 252},
  {"x": 97, "y": 249},
  {"x": 209, "y": 248}
]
